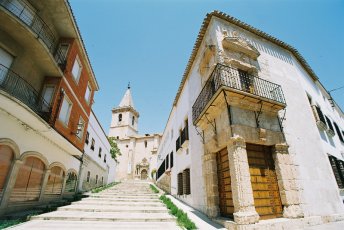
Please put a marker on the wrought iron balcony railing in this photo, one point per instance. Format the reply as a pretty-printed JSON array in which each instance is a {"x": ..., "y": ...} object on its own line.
[
  {"x": 13, "y": 84},
  {"x": 26, "y": 14},
  {"x": 225, "y": 76}
]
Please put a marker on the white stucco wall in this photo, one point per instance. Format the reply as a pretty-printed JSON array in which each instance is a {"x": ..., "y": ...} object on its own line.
[
  {"x": 307, "y": 148},
  {"x": 96, "y": 165}
]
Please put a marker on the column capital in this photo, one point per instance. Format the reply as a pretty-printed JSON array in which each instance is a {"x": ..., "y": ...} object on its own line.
[
  {"x": 237, "y": 141},
  {"x": 281, "y": 148}
]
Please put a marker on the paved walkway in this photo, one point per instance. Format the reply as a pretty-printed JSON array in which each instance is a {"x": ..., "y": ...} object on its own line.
[{"x": 128, "y": 205}]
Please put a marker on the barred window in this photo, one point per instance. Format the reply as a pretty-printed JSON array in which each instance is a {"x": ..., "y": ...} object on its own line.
[
  {"x": 180, "y": 184},
  {"x": 186, "y": 182}
]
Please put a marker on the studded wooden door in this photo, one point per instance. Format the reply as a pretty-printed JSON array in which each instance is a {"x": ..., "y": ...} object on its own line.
[
  {"x": 266, "y": 195},
  {"x": 224, "y": 184}
]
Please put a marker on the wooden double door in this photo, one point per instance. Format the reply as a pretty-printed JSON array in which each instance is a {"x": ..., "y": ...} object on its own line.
[
  {"x": 266, "y": 194},
  {"x": 267, "y": 200},
  {"x": 224, "y": 184}
]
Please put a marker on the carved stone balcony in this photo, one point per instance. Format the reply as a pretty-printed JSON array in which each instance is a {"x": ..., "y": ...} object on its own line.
[{"x": 241, "y": 89}]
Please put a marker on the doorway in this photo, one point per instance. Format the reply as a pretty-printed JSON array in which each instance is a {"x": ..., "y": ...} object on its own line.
[
  {"x": 266, "y": 194},
  {"x": 144, "y": 174}
]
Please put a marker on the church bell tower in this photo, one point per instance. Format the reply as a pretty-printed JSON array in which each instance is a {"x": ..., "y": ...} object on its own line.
[{"x": 124, "y": 118}]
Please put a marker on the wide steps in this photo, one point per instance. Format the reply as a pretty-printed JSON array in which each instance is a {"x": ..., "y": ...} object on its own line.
[
  {"x": 122, "y": 199},
  {"x": 104, "y": 216},
  {"x": 91, "y": 225},
  {"x": 125, "y": 196},
  {"x": 112, "y": 208},
  {"x": 97, "y": 202}
]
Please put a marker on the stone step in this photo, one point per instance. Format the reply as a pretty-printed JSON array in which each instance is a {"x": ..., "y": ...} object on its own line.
[
  {"x": 121, "y": 199},
  {"x": 104, "y": 216},
  {"x": 91, "y": 225},
  {"x": 114, "y": 203},
  {"x": 126, "y": 196},
  {"x": 112, "y": 208}
]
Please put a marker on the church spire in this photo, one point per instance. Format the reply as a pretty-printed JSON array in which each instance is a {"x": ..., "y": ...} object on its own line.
[{"x": 127, "y": 100}]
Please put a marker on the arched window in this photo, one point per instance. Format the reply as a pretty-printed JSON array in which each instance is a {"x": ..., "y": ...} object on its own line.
[
  {"x": 133, "y": 121},
  {"x": 55, "y": 182},
  {"x": 29, "y": 181},
  {"x": 145, "y": 144},
  {"x": 6, "y": 157},
  {"x": 119, "y": 117},
  {"x": 71, "y": 182}
]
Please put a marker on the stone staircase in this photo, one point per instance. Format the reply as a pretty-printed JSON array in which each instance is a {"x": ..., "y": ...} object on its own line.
[{"x": 128, "y": 205}]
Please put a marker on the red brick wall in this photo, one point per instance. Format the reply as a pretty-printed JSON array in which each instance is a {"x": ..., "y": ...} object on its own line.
[{"x": 75, "y": 92}]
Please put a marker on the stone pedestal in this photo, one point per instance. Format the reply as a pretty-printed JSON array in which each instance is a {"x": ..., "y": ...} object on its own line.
[
  {"x": 242, "y": 193},
  {"x": 287, "y": 182},
  {"x": 12, "y": 177},
  {"x": 211, "y": 184}
]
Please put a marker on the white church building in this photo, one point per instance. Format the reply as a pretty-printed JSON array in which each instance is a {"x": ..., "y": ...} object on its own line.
[
  {"x": 138, "y": 157},
  {"x": 253, "y": 135}
]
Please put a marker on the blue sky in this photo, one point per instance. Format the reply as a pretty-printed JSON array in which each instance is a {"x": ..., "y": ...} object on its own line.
[{"x": 148, "y": 42}]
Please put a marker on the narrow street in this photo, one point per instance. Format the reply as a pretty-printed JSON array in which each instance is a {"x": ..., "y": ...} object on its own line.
[{"x": 128, "y": 205}]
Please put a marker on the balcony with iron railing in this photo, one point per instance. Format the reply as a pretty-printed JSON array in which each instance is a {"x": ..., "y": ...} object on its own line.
[
  {"x": 25, "y": 13},
  {"x": 237, "y": 84},
  {"x": 17, "y": 87}
]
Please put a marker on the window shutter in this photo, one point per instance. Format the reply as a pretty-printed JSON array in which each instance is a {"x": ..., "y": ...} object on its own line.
[
  {"x": 338, "y": 171},
  {"x": 338, "y": 132},
  {"x": 186, "y": 182},
  {"x": 180, "y": 184},
  {"x": 329, "y": 123},
  {"x": 171, "y": 159}
]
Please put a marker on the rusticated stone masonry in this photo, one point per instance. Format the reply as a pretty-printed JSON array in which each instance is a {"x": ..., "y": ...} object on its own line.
[
  {"x": 287, "y": 182},
  {"x": 242, "y": 193}
]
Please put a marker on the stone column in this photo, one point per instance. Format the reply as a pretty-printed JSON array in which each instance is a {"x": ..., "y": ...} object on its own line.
[
  {"x": 11, "y": 180},
  {"x": 242, "y": 193},
  {"x": 211, "y": 184},
  {"x": 287, "y": 182},
  {"x": 64, "y": 185},
  {"x": 44, "y": 184}
]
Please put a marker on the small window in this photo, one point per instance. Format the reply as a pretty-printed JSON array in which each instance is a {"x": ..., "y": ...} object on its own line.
[
  {"x": 88, "y": 176},
  {"x": 102, "y": 180},
  {"x": 48, "y": 94},
  {"x": 167, "y": 165},
  {"x": 61, "y": 53},
  {"x": 133, "y": 121},
  {"x": 96, "y": 179},
  {"x": 92, "y": 144},
  {"x": 171, "y": 159},
  {"x": 76, "y": 70},
  {"x": 126, "y": 146},
  {"x": 100, "y": 152},
  {"x": 104, "y": 158},
  {"x": 145, "y": 144},
  {"x": 80, "y": 128},
  {"x": 88, "y": 94},
  {"x": 338, "y": 132},
  {"x": 65, "y": 110},
  {"x": 186, "y": 182},
  {"x": 180, "y": 183},
  {"x": 87, "y": 138},
  {"x": 119, "y": 117}
]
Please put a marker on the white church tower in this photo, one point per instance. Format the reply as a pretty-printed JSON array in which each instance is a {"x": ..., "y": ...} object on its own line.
[{"x": 124, "y": 118}]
